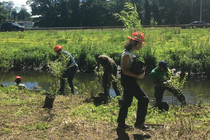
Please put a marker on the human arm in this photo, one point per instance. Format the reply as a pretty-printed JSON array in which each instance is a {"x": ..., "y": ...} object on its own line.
[
  {"x": 126, "y": 66},
  {"x": 109, "y": 79}
]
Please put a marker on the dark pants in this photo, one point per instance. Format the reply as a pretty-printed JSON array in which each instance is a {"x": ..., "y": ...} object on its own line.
[
  {"x": 69, "y": 74},
  {"x": 159, "y": 91},
  {"x": 132, "y": 89},
  {"x": 106, "y": 87}
]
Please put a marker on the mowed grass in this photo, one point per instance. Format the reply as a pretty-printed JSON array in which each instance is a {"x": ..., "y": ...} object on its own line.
[{"x": 76, "y": 117}]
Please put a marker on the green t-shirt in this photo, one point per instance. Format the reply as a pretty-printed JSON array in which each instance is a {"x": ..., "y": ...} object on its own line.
[{"x": 160, "y": 76}]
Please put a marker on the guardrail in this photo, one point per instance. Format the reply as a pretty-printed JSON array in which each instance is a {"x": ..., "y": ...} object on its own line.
[{"x": 183, "y": 26}]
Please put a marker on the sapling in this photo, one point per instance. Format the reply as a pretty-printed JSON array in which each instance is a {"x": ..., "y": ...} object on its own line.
[{"x": 57, "y": 69}]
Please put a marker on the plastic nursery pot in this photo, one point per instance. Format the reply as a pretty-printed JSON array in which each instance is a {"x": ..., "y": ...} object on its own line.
[
  {"x": 163, "y": 106},
  {"x": 49, "y": 99}
]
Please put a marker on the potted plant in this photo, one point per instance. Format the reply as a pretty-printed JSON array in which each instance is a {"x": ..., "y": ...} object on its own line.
[{"x": 57, "y": 69}]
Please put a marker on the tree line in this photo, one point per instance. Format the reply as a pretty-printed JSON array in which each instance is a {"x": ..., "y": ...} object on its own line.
[
  {"x": 74, "y": 13},
  {"x": 11, "y": 13}
]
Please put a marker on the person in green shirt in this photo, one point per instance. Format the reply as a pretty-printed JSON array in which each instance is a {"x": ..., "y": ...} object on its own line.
[
  {"x": 18, "y": 80},
  {"x": 161, "y": 77}
]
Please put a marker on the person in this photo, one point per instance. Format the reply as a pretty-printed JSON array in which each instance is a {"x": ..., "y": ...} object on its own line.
[
  {"x": 110, "y": 68},
  {"x": 160, "y": 76},
  {"x": 18, "y": 80},
  {"x": 130, "y": 86},
  {"x": 69, "y": 71}
]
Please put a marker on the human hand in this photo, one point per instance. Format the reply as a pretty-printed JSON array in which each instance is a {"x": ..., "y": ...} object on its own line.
[
  {"x": 164, "y": 84},
  {"x": 141, "y": 75},
  {"x": 96, "y": 67}
]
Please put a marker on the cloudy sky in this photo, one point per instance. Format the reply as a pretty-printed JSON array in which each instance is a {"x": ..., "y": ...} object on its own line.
[{"x": 18, "y": 3}]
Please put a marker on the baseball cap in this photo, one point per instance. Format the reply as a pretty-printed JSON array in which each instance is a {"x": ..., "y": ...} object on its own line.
[{"x": 163, "y": 64}]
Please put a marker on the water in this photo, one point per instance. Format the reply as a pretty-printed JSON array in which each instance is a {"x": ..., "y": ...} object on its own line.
[{"x": 193, "y": 90}]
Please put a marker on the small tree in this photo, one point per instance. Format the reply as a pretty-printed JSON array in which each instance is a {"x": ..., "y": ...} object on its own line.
[
  {"x": 57, "y": 69},
  {"x": 130, "y": 18}
]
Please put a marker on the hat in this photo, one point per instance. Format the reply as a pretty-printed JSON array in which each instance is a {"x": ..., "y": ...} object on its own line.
[
  {"x": 58, "y": 47},
  {"x": 137, "y": 36},
  {"x": 163, "y": 64},
  {"x": 18, "y": 77}
]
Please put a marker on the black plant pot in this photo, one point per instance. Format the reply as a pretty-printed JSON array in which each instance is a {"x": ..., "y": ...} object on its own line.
[
  {"x": 163, "y": 106},
  {"x": 49, "y": 99}
]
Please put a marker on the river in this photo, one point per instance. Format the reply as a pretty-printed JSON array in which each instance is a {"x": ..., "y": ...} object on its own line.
[{"x": 194, "y": 89}]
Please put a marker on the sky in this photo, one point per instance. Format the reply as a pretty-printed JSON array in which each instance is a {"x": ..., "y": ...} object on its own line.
[{"x": 18, "y": 3}]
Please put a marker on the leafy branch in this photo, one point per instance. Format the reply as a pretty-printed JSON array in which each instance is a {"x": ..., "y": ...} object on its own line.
[{"x": 130, "y": 17}]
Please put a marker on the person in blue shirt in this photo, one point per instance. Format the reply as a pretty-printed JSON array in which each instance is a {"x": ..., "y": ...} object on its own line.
[
  {"x": 70, "y": 70},
  {"x": 161, "y": 79}
]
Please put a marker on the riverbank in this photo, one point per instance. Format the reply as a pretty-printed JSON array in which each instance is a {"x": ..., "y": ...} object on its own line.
[
  {"x": 76, "y": 117},
  {"x": 186, "y": 50}
]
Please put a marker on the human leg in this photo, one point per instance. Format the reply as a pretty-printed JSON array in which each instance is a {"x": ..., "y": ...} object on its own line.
[
  {"x": 126, "y": 103},
  {"x": 159, "y": 91},
  {"x": 105, "y": 84},
  {"x": 70, "y": 78},
  {"x": 143, "y": 101},
  {"x": 116, "y": 89},
  {"x": 62, "y": 85}
]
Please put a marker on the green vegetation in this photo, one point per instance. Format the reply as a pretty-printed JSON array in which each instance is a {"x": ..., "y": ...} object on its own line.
[
  {"x": 76, "y": 117},
  {"x": 187, "y": 50}
]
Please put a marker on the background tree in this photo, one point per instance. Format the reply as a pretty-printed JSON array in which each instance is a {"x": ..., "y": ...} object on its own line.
[
  {"x": 100, "y": 12},
  {"x": 23, "y": 14},
  {"x": 147, "y": 10},
  {"x": 8, "y": 6},
  {"x": 3, "y": 13}
]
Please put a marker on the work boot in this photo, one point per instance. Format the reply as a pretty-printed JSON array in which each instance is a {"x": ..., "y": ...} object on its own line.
[
  {"x": 142, "y": 127},
  {"x": 124, "y": 126}
]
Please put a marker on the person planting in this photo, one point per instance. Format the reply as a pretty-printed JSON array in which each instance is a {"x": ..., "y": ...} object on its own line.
[
  {"x": 70, "y": 68},
  {"x": 161, "y": 78},
  {"x": 18, "y": 80},
  {"x": 130, "y": 85},
  {"x": 110, "y": 69}
]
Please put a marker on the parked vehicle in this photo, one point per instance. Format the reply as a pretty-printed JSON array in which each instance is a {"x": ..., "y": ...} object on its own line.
[
  {"x": 11, "y": 26},
  {"x": 199, "y": 24}
]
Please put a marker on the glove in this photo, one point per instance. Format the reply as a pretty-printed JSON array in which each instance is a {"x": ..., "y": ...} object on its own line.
[{"x": 165, "y": 84}]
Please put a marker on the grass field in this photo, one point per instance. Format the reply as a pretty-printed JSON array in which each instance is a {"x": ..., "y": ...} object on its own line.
[{"x": 76, "y": 117}]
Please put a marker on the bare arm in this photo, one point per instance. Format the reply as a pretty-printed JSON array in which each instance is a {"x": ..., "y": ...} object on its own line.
[
  {"x": 126, "y": 67},
  {"x": 109, "y": 79}
]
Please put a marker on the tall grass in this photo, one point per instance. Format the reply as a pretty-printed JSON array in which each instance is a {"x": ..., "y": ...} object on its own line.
[{"x": 184, "y": 49}]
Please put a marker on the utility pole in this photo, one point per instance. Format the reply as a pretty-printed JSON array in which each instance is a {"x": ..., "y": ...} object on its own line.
[{"x": 200, "y": 10}]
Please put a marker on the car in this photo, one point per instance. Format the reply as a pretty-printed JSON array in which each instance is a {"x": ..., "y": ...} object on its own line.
[
  {"x": 12, "y": 26},
  {"x": 199, "y": 24}
]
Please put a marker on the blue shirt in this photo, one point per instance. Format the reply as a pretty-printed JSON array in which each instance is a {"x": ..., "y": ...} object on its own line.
[{"x": 71, "y": 59}]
